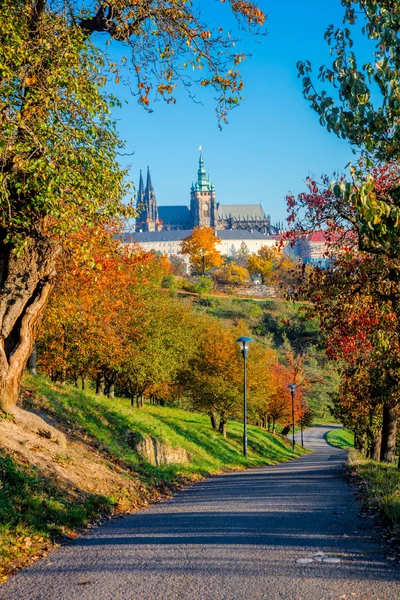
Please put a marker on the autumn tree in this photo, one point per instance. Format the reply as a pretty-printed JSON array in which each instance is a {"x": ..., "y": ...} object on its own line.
[
  {"x": 214, "y": 375},
  {"x": 231, "y": 274},
  {"x": 273, "y": 265},
  {"x": 59, "y": 170},
  {"x": 357, "y": 306},
  {"x": 201, "y": 247},
  {"x": 261, "y": 263}
]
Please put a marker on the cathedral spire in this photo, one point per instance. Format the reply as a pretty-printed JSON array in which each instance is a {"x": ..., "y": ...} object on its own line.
[
  {"x": 141, "y": 185},
  {"x": 140, "y": 192},
  {"x": 149, "y": 185}
]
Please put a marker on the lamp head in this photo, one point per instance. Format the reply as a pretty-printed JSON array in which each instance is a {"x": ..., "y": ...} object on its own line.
[
  {"x": 244, "y": 344},
  {"x": 292, "y": 387}
]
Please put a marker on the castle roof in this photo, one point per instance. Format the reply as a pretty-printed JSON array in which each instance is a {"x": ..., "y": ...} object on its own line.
[
  {"x": 241, "y": 212},
  {"x": 175, "y": 214},
  {"x": 180, "y": 234}
]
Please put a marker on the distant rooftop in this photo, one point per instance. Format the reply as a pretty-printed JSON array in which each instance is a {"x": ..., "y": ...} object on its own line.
[
  {"x": 241, "y": 212},
  {"x": 179, "y": 235}
]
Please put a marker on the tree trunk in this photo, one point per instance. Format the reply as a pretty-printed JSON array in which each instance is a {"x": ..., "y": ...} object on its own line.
[
  {"x": 389, "y": 428},
  {"x": 375, "y": 448},
  {"x": 25, "y": 283},
  {"x": 99, "y": 384},
  {"x": 222, "y": 427},
  {"x": 110, "y": 393},
  {"x": 213, "y": 420}
]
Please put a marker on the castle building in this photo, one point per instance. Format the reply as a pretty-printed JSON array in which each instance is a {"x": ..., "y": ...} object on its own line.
[{"x": 204, "y": 210}]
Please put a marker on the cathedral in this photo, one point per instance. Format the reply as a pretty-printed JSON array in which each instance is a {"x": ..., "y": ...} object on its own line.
[{"x": 204, "y": 210}]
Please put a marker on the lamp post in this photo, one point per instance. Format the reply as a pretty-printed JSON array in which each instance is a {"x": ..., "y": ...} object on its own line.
[
  {"x": 292, "y": 388},
  {"x": 244, "y": 347}
]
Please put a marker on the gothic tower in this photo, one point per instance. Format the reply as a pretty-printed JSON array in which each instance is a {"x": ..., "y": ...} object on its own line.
[
  {"x": 203, "y": 204},
  {"x": 147, "y": 206}
]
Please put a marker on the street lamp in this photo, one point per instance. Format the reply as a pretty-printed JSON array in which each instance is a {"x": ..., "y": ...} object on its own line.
[
  {"x": 244, "y": 347},
  {"x": 292, "y": 388}
]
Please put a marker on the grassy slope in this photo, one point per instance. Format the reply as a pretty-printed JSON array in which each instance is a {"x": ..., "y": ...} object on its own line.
[
  {"x": 380, "y": 481},
  {"x": 381, "y": 484},
  {"x": 108, "y": 420},
  {"x": 341, "y": 438},
  {"x": 37, "y": 505}
]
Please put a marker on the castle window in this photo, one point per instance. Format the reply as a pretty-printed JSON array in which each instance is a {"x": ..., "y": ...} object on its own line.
[{"x": 206, "y": 210}]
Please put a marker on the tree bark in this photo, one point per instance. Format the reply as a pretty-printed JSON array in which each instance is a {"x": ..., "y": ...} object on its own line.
[
  {"x": 26, "y": 281},
  {"x": 99, "y": 384},
  {"x": 213, "y": 420},
  {"x": 222, "y": 427},
  {"x": 375, "y": 448},
  {"x": 389, "y": 428}
]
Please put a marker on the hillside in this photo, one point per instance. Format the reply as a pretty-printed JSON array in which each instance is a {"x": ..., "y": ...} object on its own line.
[{"x": 48, "y": 493}]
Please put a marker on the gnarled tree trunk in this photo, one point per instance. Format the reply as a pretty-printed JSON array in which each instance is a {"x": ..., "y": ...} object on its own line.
[{"x": 26, "y": 281}]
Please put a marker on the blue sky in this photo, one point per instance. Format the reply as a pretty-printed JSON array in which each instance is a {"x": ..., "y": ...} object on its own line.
[{"x": 273, "y": 139}]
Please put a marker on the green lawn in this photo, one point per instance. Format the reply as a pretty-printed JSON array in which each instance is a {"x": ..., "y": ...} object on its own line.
[{"x": 341, "y": 438}]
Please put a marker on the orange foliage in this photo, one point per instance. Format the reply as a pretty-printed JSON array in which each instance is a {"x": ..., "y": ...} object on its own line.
[{"x": 201, "y": 248}]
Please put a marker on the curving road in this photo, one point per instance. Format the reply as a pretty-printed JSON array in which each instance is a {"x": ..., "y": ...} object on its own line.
[{"x": 232, "y": 537}]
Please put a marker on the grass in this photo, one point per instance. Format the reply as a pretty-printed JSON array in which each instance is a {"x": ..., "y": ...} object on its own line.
[
  {"x": 107, "y": 422},
  {"x": 34, "y": 510},
  {"x": 37, "y": 507},
  {"x": 341, "y": 438},
  {"x": 381, "y": 482}
]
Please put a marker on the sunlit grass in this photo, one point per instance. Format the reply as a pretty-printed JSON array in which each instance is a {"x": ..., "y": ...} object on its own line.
[{"x": 341, "y": 438}]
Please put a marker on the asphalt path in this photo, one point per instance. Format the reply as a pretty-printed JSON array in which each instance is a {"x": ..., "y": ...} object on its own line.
[{"x": 232, "y": 537}]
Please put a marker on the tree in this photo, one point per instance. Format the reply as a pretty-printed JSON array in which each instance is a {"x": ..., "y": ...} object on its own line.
[
  {"x": 358, "y": 310},
  {"x": 242, "y": 255},
  {"x": 59, "y": 170},
  {"x": 274, "y": 266},
  {"x": 200, "y": 246},
  {"x": 261, "y": 263},
  {"x": 365, "y": 110},
  {"x": 365, "y": 268},
  {"x": 214, "y": 376},
  {"x": 231, "y": 274},
  {"x": 178, "y": 265}
]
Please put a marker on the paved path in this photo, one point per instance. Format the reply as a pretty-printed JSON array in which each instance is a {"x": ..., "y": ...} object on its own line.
[{"x": 232, "y": 537}]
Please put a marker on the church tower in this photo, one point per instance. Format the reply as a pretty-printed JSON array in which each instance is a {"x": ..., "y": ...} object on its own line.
[
  {"x": 147, "y": 206},
  {"x": 203, "y": 204}
]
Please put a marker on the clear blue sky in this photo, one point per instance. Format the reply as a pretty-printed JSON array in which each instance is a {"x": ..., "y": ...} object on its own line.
[{"x": 273, "y": 139}]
